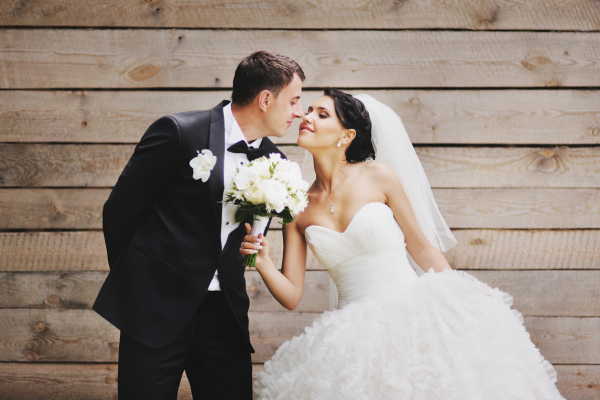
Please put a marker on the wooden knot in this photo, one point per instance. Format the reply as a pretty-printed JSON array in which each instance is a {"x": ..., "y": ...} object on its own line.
[
  {"x": 83, "y": 124},
  {"x": 39, "y": 327},
  {"x": 252, "y": 288},
  {"x": 31, "y": 356},
  {"x": 595, "y": 132},
  {"x": 548, "y": 153},
  {"x": 414, "y": 101},
  {"x": 111, "y": 379},
  {"x": 52, "y": 300},
  {"x": 477, "y": 241},
  {"x": 114, "y": 345},
  {"x": 144, "y": 71}
]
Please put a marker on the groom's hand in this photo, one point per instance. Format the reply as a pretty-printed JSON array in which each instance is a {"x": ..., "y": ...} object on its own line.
[{"x": 253, "y": 245}]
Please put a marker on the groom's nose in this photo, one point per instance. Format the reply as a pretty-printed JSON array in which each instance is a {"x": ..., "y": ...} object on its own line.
[{"x": 298, "y": 110}]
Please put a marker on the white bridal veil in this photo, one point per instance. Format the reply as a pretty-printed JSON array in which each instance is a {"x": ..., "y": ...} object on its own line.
[{"x": 393, "y": 147}]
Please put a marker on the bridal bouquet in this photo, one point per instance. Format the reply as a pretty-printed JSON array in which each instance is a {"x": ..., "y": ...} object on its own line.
[{"x": 264, "y": 188}]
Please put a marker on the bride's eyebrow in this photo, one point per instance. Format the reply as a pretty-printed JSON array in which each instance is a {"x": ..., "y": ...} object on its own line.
[{"x": 323, "y": 108}]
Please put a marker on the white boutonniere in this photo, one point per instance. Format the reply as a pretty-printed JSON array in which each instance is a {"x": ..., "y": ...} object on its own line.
[{"x": 202, "y": 164}]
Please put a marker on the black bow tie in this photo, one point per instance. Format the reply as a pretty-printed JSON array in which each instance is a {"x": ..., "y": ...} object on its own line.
[{"x": 251, "y": 152}]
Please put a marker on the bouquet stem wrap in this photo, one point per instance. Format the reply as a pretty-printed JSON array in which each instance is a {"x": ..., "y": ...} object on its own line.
[{"x": 258, "y": 226}]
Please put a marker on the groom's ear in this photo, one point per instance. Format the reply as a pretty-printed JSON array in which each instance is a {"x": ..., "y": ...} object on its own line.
[{"x": 265, "y": 98}]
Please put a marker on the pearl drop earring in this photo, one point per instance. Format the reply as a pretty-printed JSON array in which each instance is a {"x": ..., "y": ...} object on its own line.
[{"x": 339, "y": 144}]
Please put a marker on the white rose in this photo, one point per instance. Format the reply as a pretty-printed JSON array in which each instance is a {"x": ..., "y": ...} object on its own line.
[
  {"x": 297, "y": 203},
  {"x": 275, "y": 157},
  {"x": 202, "y": 164},
  {"x": 245, "y": 178},
  {"x": 255, "y": 194},
  {"x": 262, "y": 168},
  {"x": 275, "y": 195}
]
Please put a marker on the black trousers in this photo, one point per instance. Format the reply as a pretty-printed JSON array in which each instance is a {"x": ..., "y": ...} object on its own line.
[{"x": 212, "y": 350}]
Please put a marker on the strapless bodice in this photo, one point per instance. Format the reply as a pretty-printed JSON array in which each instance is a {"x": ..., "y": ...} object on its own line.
[{"x": 368, "y": 259}]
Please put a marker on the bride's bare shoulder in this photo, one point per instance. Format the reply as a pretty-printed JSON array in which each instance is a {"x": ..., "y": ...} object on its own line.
[{"x": 376, "y": 170}]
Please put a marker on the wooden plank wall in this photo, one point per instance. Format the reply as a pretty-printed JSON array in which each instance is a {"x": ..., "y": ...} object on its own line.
[{"x": 500, "y": 99}]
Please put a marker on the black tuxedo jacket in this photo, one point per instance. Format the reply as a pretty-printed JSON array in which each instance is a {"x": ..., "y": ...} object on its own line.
[{"x": 163, "y": 232}]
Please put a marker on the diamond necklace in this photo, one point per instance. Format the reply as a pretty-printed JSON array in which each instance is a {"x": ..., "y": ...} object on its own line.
[{"x": 340, "y": 184}]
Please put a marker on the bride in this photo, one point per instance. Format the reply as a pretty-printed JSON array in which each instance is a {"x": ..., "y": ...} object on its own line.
[{"x": 408, "y": 326}]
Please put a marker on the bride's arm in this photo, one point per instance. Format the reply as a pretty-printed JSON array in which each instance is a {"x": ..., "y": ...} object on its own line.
[
  {"x": 417, "y": 245},
  {"x": 286, "y": 286}
]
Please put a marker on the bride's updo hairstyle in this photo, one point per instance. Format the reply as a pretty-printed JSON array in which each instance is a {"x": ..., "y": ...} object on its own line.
[{"x": 353, "y": 115}]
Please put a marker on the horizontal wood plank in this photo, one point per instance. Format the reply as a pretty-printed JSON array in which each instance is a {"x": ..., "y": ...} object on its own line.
[
  {"x": 68, "y": 165},
  {"x": 288, "y": 14},
  {"x": 65, "y": 381},
  {"x": 141, "y": 58},
  {"x": 83, "y": 336},
  {"x": 52, "y": 208},
  {"x": 430, "y": 116},
  {"x": 461, "y": 208},
  {"x": 40, "y": 381},
  {"x": 50, "y": 165},
  {"x": 525, "y": 249},
  {"x": 535, "y": 293},
  {"x": 84, "y": 251},
  {"x": 519, "y": 208},
  {"x": 548, "y": 293},
  {"x": 53, "y": 251},
  {"x": 476, "y": 249},
  {"x": 578, "y": 382},
  {"x": 78, "y": 290}
]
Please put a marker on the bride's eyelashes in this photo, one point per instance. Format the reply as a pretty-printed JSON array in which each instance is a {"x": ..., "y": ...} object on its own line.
[{"x": 322, "y": 116}]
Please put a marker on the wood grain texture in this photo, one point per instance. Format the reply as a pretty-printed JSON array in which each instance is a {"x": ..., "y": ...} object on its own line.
[
  {"x": 53, "y": 251},
  {"x": 430, "y": 116},
  {"x": 78, "y": 290},
  {"x": 288, "y": 14},
  {"x": 461, "y": 208},
  {"x": 41, "y": 381},
  {"x": 535, "y": 293},
  {"x": 57, "y": 335},
  {"x": 99, "y": 381},
  {"x": 52, "y": 208},
  {"x": 66, "y": 58},
  {"x": 548, "y": 293},
  {"x": 52, "y": 165},
  {"x": 82, "y": 335},
  {"x": 62, "y": 165},
  {"x": 66, "y": 381},
  {"x": 66, "y": 165},
  {"x": 525, "y": 249},
  {"x": 83, "y": 251},
  {"x": 578, "y": 382},
  {"x": 476, "y": 249},
  {"x": 519, "y": 208},
  {"x": 566, "y": 340},
  {"x": 479, "y": 167}
]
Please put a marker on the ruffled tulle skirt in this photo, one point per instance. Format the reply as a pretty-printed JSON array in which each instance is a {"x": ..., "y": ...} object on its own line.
[{"x": 445, "y": 336}]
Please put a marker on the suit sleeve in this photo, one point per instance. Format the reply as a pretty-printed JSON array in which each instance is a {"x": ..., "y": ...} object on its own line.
[{"x": 145, "y": 174}]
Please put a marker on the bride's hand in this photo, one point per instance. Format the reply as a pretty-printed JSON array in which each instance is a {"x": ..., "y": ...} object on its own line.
[{"x": 252, "y": 245}]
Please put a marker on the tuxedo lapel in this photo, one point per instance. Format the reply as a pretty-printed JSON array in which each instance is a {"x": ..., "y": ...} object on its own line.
[{"x": 216, "y": 145}]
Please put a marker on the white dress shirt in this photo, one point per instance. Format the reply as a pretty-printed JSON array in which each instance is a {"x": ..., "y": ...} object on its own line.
[{"x": 233, "y": 134}]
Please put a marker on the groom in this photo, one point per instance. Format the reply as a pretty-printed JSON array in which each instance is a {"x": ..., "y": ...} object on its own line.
[{"x": 176, "y": 286}]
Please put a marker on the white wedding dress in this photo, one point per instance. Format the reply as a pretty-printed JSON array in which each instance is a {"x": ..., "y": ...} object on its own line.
[{"x": 443, "y": 336}]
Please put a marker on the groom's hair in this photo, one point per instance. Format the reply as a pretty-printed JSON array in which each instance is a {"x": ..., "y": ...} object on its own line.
[{"x": 260, "y": 71}]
